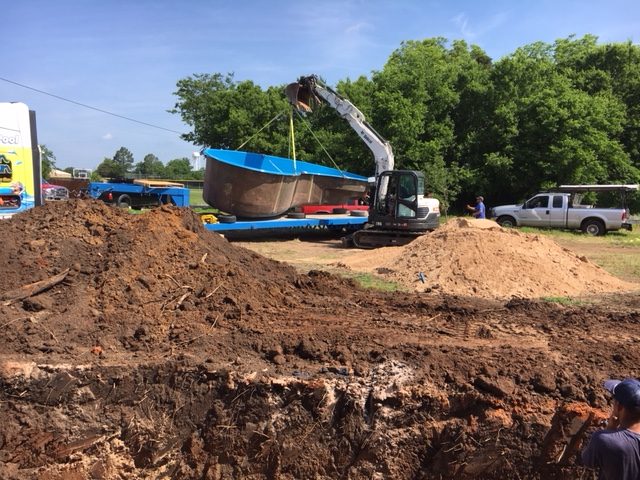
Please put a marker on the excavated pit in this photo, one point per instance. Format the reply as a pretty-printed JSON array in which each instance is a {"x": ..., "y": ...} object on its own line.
[{"x": 159, "y": 350}]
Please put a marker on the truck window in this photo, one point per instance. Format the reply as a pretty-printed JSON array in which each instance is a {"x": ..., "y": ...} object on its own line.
[
  {"x": 557, "y": 201},
  {"x": 538, "y": 202}
]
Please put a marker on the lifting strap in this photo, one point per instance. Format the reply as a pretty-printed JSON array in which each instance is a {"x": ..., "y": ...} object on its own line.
[
  {"x": 255, "y": 134},
  {"x": 292, "y": 140},
  {"x": 306, "y": 124}
]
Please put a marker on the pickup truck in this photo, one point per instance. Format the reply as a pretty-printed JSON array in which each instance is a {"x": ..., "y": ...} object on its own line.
[
  {"x": 562, "y": 209},
  {"x": 51, "y": 192}
]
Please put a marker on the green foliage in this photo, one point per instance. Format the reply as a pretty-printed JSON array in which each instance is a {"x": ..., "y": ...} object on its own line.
[
  {"x": 547, "y": 114},
  {"x": 179, "y": 168},
  {"x": 122, "y": 162},
  {"x": 48, "y": 161},
  {"x": 116, "y": 167},
  {"x": 225, "y": 113},
  {"x": 107, "y": 169},
  {"x": 150, "y": 166}
]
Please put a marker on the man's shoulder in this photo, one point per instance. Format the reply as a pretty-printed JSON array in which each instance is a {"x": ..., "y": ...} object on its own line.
[{"x": 615, "y": 438}]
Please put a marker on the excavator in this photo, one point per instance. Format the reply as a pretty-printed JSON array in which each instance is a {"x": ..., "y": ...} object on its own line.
[{"x": 399, "y": 211}]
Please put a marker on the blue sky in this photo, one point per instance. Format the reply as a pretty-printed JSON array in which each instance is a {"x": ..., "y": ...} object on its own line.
[{"x": 125, "y": 57}]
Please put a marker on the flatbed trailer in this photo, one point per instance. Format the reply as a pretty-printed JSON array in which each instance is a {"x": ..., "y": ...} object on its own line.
[
  {"x": 338, "y": 223},
  {"x": 337, "y": 208},
  {"x": 140, "y": 193}
]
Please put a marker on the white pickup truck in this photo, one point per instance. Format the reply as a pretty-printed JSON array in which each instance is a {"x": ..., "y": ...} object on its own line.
[{"x": 561, "y": 208}]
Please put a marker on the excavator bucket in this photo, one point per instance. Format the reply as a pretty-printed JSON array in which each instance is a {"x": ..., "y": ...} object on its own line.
[{"x": 300, "y": 95}]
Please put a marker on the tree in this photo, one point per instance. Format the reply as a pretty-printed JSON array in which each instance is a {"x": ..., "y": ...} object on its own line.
[
  {"x": 150, "y": 166},
  {"x": 546, "y": 131},
  {"x": 123, "y": 162},
  {"x": 425, "y": 103},
  {"x": 107, "y": 169},
  {"x": 227, "y": 114},
  {"x": 567, "y": 112},
  {"x": 179, "y": 168},
  {"x": 48, "y": 160}
]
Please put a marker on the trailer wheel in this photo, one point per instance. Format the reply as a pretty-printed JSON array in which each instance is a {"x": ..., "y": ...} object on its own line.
[
  {"x": 340, "y": 210},
  {"x": 593, "y": 227},
  {"x": 359, "y": 213},
  {"x": 123, "y": 201},
  {"x": 226, "y": 218},
  {"x": 506, "y": 221}
]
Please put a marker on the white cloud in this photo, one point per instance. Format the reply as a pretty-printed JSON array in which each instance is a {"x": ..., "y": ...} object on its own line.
[
  {"x": 461, "y": 21},
  {"x": 107, "y": 136},
  {"x": 480, "y": 27},
  {"x": 358, "y": 28}
]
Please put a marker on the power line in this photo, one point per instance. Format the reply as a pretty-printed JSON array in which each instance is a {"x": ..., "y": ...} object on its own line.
[{"x": 89, "y": 106}]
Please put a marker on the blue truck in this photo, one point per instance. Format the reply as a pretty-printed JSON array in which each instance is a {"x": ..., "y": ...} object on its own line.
[{"x": 139, "y": 194}]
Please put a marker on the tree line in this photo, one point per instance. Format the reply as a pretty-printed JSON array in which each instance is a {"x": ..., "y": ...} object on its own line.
[
  {"x": 122, "y": 165},
  {"x": 542, "y": 116}
]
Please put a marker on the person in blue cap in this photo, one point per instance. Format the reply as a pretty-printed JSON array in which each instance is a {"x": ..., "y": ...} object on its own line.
[{"x": 616, "y": 449}]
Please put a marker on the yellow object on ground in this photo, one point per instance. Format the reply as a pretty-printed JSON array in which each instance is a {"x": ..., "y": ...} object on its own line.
[{"x": 208, "y": 218}]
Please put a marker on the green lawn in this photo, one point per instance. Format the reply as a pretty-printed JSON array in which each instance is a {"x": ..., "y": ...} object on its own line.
[{"x": 195, "y": 197}]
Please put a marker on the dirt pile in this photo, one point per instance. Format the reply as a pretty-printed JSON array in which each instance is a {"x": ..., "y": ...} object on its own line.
[
  {"x": 479, "y": 258},
  {"x": 134, "y": 281},
  {"x": 156, "y": 349}
]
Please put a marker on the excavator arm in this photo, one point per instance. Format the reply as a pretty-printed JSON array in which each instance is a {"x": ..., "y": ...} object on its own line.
[
  {"x": 399, "y": 212},
  {"x": 308, "y": 90}
]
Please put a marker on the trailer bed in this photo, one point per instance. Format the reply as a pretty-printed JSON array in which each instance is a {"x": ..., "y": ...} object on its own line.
[{"x": 284, "y": 225}]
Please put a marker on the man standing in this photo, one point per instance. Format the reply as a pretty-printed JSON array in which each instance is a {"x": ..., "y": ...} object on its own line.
[
  {"x": 478, "y": 211},
  {"x": 616, "y": 449}
]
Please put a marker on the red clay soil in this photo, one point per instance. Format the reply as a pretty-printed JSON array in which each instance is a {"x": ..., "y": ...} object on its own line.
[{"x": 143, "y": 346}]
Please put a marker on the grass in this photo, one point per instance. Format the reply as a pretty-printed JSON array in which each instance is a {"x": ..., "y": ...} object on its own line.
[
  {"x": 368, "y": 281},
  {"x": 621, "y": 237},
  {"x": 623, "y": 265},
  {"x": 563, "y": 300},
  {"x": 195, "y": 197},
  {"x": 616, "y": 252}
]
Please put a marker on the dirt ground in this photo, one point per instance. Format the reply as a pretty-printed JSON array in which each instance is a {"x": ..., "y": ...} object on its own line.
[
  {"x": 143, "y": 346},
  {"x": 464, "y": 257}
]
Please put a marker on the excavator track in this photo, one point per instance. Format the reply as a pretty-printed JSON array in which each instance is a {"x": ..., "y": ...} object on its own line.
[{"x": 372, "y": 238}]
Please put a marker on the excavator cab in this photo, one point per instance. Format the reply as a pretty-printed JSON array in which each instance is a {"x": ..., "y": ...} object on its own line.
[
  {"x": 399, "y": 213},
  {"x": 396, "y": 200}
]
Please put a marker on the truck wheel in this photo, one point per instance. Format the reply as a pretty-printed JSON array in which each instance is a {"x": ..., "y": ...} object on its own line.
[
  {"x": 123, "y": 201},
  {"x": 593, "y": 227},
  {"x": 226, "y": 218},
  {"x": 506, "y": 221}
]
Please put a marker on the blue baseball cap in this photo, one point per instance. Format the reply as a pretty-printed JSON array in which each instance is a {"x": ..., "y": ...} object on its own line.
[{"x": 626, "y": 391}]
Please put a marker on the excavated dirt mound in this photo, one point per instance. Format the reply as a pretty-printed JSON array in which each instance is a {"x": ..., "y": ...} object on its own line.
[
  {"x": 143, "y": 346},
  {"x": 479, "y": 258}
]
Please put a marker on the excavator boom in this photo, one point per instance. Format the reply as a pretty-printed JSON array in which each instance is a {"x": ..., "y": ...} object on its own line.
[{"x": 399, "y": 211}]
